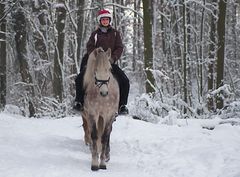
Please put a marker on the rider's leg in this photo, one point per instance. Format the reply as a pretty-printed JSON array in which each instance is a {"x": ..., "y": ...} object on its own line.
[{"x": 124, "y": 86}]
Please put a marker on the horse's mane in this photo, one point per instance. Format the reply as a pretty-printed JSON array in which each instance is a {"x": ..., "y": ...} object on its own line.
[{"x": 91, "y": 64}]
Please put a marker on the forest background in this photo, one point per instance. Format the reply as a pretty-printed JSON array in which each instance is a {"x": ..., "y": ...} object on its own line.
[{"x": 180, "y": 55}]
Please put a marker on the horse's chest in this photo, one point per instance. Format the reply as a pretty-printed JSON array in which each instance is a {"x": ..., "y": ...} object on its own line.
[
  {"x": 92, "y": 94},
  {"x": 94, "y": 99}
]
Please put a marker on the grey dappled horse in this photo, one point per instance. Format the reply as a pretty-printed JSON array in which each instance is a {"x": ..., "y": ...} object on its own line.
[{"x": 100, "y": 105}]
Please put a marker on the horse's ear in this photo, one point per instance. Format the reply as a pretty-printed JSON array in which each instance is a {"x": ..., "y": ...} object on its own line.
[
  {"x": 95, "y": 52},
  {"x": 98, "y": 50},
  {"x": 108, "y": 53}
]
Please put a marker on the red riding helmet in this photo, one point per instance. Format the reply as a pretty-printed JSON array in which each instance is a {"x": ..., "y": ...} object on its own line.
[{"x": 104, "y": 13}]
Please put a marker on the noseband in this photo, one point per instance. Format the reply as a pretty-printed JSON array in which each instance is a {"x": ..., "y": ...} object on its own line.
[{"x": 100, "y": 83}]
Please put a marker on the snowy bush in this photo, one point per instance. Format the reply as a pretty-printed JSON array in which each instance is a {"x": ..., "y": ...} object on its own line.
[
  {"x": 50, "y": 107},
  {"x": 12, "y": 109},
  {"x": 171, "y": 118},
  {"x": 148, "y": 107},
  {"x": 230, "y": 111},
  {"x": 145, "y": 108}
]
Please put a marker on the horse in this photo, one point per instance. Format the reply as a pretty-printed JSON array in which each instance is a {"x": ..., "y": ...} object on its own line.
[{"x": 100, "y": 106}]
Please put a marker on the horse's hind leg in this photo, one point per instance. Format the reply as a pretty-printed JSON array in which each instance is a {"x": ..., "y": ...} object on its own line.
[{"x": 86, "y": 132}]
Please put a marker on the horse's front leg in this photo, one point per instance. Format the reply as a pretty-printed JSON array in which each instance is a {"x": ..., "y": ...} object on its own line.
[
  {"x": 105, "y": 147},
  {"x": 94, "y": 150},
  {"x": 107, "y": 152}
]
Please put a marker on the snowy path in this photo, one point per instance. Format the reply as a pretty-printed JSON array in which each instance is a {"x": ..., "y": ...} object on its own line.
[{"x": 55, "y": 148}]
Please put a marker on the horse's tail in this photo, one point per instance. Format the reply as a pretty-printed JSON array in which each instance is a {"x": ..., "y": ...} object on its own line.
[{"x": 100, "y": 129}]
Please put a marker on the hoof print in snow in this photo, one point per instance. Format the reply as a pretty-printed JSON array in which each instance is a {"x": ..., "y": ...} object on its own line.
[{"x": 208, "y": 127}]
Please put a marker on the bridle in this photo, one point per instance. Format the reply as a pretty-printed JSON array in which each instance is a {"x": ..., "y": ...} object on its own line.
[{"x": 99, "y": 83}]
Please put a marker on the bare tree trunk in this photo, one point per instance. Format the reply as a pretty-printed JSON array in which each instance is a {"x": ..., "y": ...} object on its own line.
[
  {"x": 137, "y": 65},
  {"x": 177, "y": 83},
  {"x": 232, "y": 62},
  {"x": 200, "y": 63},
  {"x": 39, "y": 35},
  {"x": 80, "y": 28},
  {"x": 148, "y": 48},
  {"x": 233, "y": 31},
  {"x": 211, "y": 62},
  {"x": 221, "y": 47},
  {"x": 185, "y": 55},
  {"x": 135, "y": 37},
  {"x": 21, "y": 50},
  {"x": 43, "y": 76},
  {"x": 163, "y": 31},
  {"x": 139, "y": 41},
  {"x": 3, "y": 56},
  {"x": 120, "y": 27},
  {"x": 59, "y": 52}
]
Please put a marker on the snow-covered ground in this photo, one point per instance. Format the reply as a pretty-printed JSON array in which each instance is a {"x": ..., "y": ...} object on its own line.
[{"x": 55, "y": 148}]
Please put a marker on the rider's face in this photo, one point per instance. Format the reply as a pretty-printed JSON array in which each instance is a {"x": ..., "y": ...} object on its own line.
[{"x": 105, "y": 21}]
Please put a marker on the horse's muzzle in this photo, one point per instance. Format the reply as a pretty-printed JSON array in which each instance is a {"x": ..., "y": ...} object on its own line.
[{"x": 103, "y": 94}]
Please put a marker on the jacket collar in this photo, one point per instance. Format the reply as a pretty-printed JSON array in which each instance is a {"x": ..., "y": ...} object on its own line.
[{"x": 104, "y": 29}]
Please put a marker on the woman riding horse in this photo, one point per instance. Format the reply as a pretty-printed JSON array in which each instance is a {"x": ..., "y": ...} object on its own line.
[{"x": 106, "y": 37}]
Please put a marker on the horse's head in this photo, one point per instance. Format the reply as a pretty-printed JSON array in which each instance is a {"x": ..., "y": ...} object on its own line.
[{"x": 102, "y": 70}]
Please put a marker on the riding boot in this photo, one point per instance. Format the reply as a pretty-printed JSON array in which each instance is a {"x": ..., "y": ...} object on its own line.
[{"x": 79, "y": 100}]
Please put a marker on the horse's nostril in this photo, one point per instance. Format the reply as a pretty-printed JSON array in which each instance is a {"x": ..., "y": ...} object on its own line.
[{"x": 104, "y": 94}]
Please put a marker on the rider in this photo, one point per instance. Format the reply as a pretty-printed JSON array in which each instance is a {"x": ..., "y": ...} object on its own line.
[{"x": 106, "y": 37}]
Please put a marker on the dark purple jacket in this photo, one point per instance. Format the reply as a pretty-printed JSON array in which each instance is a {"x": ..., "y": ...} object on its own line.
[{"x": 110, "y": 39}]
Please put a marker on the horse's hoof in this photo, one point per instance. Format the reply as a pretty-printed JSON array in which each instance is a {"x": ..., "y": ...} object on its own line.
[
  {"x": 94, "y": 168},
  {"x": 103, "y": 167}
]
